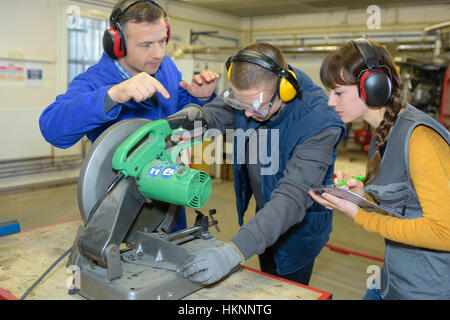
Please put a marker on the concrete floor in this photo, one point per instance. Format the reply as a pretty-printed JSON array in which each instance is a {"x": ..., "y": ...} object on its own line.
[{"x": 342, "y": 275}]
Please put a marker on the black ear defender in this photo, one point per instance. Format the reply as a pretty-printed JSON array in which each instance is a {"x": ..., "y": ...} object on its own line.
[
  {"x": 374, "y": 83},
  {"x": 114, "y": 44},
  {"x": 288, "y": 88}
]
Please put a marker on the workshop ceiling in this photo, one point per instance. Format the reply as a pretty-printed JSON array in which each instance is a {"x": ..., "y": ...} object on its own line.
[
  {"x": 252, "y": 8},
  {"x": 249, "y": 8}
]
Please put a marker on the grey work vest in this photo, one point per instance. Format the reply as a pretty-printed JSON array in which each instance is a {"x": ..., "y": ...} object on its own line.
[{"x": 409, "y": 272}]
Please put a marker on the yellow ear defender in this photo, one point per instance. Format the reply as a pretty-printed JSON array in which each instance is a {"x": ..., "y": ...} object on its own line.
[{"x": 288, "y": 89}]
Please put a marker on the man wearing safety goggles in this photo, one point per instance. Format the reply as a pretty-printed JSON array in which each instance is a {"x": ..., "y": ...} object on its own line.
[
  {"x": 257, "y": 105},
  {"x": 285, "y": 110}
]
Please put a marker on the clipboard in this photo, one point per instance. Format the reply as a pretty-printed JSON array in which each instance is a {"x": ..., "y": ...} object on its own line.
[{"x": 363, "y": 203}]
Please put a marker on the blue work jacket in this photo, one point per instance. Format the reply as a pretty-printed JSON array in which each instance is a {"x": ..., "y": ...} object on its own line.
[
  {"x": 300, "y": 120},
  {"x": 80, "y": 111}
]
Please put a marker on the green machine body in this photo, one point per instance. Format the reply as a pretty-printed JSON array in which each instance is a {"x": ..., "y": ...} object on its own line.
[
  {"x": 145, "y": 157},
  {"x": 175, "y": 184}
]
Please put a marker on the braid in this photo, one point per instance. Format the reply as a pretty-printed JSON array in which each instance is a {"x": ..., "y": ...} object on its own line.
[{"x": 395, "y": 105}]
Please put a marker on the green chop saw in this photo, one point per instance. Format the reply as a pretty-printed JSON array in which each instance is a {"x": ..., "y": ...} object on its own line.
[{"x": 136, "y": 201}]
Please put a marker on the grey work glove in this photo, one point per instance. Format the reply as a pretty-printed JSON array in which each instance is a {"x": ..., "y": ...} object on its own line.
[
  {"x": 187, "y": 117},
  {"x": 210, "y": 265}
]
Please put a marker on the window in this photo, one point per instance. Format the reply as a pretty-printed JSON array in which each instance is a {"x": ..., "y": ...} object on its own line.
[{"x": 84, "y": 43}]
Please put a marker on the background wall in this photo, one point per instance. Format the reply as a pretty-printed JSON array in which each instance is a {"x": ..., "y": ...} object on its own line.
[
  {"x": 397, "y": 25},
  {"x": 20, "y": 106},
  {"x": 36, "y": 32}
]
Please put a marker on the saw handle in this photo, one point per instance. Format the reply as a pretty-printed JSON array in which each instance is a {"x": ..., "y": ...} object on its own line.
[
  {"x": 188, "y": 118},
  {"x": 135, "y": 152},
  {"x": 146, "y": 144}
]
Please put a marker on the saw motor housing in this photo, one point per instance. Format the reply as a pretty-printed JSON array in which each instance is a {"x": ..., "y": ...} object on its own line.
[
  {"x": 144, "y": 170},
  {"x": 143, "y": 156}
]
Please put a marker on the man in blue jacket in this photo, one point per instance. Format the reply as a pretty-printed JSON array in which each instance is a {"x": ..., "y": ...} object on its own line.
[
  {"x": 133, "y": 79},
  {"x": 285, "y": 141}
]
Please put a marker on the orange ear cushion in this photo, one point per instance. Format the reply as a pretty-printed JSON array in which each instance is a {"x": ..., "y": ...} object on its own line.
[
  {"x": 168, "y": 32},
  {"x": 287, "y": 90}
]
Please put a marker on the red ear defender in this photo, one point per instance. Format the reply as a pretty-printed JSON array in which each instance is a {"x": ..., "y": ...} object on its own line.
[
  {"x": 168, "y": 32},
  {"x": 374, "y": 82},
  {"x": 374, "y": 87},
  {"x": 119, "y": 48},
  {"x": 113, "y": 44}
]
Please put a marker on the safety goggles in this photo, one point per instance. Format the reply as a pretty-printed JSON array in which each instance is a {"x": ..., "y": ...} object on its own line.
[{"x": 259, "y": 103}]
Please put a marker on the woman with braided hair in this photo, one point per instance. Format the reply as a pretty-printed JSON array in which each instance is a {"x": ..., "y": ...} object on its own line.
[{"x": 408, "y": 172}]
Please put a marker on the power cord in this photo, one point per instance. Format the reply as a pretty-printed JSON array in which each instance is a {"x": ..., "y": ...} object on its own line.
[
  {"x": 116, "y": 180},
  {"x": 45, "y": 273}
]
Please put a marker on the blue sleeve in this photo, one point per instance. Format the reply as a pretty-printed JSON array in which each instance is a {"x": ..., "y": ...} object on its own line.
[{"x": 75, "y": 113}]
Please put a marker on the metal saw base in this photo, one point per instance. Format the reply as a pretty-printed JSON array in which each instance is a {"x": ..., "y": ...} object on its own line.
[{"x": 139, "y": 282}]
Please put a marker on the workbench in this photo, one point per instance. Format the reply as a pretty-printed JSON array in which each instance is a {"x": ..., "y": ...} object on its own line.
[{"x": 25, "y": 256}]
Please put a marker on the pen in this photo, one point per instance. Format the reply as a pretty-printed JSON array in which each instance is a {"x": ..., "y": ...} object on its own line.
[{"x": 341, "y": 183}]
